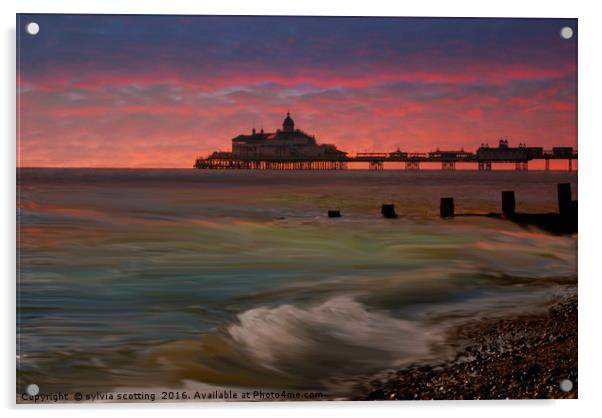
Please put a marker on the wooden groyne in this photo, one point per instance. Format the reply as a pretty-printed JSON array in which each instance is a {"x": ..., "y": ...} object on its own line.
[
  {"x": 563, "y": 222},
  {"x": 388, "y": 211}
]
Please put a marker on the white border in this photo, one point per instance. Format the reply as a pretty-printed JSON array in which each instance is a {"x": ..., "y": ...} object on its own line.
[{"x": 590, "y": 95}]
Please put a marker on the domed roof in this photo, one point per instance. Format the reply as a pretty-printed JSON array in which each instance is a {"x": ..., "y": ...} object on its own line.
[{"x": 289, "y": 124}]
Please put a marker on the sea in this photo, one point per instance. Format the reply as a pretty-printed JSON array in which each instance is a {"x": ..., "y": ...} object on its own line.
[{"x": 189, "y": 280}]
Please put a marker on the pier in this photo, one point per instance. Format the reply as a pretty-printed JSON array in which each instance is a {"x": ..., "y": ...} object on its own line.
[
  {"x": 378, "y": 161},
  {"x": 483, "y": 160},
  {"x": 293, "y": 149}
]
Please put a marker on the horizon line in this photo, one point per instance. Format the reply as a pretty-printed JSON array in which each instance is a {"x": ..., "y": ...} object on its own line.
[{"x": 193, "y": 168}]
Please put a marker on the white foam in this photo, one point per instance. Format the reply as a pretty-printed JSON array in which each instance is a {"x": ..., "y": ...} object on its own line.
[{"x": 339, "y": 336}]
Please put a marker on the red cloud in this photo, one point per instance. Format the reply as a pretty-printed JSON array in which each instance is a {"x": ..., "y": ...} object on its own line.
[{"x": 166, "y": 117}]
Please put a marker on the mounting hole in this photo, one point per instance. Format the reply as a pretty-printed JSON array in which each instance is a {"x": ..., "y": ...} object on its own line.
[
  {"x": 566, "y": 32},
  {"x": 33, "y": 389},
  {"x": 566, "y": 385},
  {"x": 32, "y": 28}
]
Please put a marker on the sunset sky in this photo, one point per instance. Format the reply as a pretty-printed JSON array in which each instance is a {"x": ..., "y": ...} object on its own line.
[{"x": 158, "y": 91}]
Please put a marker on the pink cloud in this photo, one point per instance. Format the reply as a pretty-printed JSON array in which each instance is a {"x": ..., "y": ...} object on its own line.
[{"x": 165, "y": 118}]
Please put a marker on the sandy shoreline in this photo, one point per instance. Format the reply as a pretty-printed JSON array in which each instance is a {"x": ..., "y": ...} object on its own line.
[{"x": 523, "y": 357}]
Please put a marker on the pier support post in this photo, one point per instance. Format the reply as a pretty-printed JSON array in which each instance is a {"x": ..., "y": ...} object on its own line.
[
  {"x": 547, "y": 164},
  {"x": 570, "y": 164},
  {"x": 412, "y": 165},
  {"x": 376, "y": 165},
  {"x": 508, "y": 203},
  {"x": 446, "y": 208},
  {"x": 564, "y": 198},
  {"x": 484, "y": 165},
  {"x": 388, "y": 211},
  {"x": 522, "y": 165},
  {"x": 448, "y": 165}
]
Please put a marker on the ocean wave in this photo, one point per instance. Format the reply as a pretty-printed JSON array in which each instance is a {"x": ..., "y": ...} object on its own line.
[
  {"x": 339, "y": 334},
  {"x": 324, "y": 346}
]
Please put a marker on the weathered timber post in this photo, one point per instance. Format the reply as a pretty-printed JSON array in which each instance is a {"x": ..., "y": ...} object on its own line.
[
  {"x": 446, "y": 208},
  {"x": 508, "y": 203},
  {"x": 564, "y": 198},
  {"x": 334, "y": 213},
  {"x": 388, "y": 211}
]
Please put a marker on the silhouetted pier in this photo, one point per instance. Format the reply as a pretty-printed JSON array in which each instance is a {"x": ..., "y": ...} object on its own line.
[{"x": 483, "y": 159}]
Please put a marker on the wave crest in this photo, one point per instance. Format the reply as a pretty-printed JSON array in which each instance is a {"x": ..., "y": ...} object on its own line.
[{"x": 339, "y": 335}]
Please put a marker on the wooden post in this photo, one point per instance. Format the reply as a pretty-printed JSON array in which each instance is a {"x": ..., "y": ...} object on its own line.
[
  {"x": 564, "y": 198},
  {"x": 508, "y": 203},
  {"x": 446, "y": 208},
  {"x": 334, "y": 214},
  {"x": 388, "y": 211}
]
